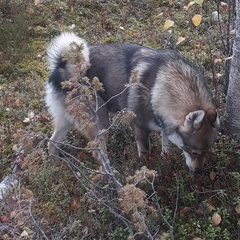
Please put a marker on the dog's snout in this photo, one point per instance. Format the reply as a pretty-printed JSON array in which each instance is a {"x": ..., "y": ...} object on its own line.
[{"x": 198, "y": 170}]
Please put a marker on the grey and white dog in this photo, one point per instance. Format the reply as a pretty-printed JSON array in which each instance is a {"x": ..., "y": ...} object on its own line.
[{"x": 172, "y": 97}]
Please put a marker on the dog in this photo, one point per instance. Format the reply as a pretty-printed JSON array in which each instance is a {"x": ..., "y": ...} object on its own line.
[{"x": 171, "y": 96}]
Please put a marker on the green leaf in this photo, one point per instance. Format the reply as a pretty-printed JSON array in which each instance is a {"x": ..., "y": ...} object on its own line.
[{"x": 200, "y": 2}]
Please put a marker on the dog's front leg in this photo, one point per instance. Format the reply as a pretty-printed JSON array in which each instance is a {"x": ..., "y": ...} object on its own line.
[
  {"x": 142, "y": 138},
  {"x": 165, "y": 143}
]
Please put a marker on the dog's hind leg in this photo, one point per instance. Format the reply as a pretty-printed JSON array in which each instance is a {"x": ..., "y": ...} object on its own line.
[
  {"x": 91, "y": 133},
  {"x": 62, "y": 124},
  {"x": 98, "y": 129},
  {"x": 142, "y": 138}
]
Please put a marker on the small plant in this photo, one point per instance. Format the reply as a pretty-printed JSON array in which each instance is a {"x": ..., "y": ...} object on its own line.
[
  {"x": 71, "y": 198},
  {"x": 212, "y": 232},
  {"x": 104, "y": 214},
  {"x": 120, "y": 234}
]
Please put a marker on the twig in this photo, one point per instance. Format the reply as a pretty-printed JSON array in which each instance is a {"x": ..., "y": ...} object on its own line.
[
  {"x": 98, "y": 198},
  {"x": 225, "y": 46},
  {"x": 35, "y": 222},
  {"x": 104, "y": 157},
  {"x": 171, "y": 227}
]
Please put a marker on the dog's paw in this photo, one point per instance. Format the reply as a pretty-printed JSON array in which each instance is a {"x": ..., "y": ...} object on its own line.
[{"x": 53, "y": 152}]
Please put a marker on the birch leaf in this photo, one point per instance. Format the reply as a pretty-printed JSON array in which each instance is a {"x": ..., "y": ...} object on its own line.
[
  {"x": 18, "y": 102},
  {"x": 197, "y": 19},
  {"x": 180, "y": 39},
  {"x": 168, "y": 24},
  {"x": 189, "y": 5}
]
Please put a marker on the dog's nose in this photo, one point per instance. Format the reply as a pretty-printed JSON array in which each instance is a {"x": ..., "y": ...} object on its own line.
[{"x": 198, "y": 170}]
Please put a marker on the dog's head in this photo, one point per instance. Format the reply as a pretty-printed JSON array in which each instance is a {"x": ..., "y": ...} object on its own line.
[{"x": 196, "y": 137}]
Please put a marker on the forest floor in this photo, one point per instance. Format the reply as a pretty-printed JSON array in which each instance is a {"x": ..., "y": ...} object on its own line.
[{"x": 70, "y": 199}]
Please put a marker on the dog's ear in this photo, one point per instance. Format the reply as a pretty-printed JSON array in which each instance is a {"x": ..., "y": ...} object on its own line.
[
  {"x": 193, "y": 122},
  {"x": 212, "y": 117}
]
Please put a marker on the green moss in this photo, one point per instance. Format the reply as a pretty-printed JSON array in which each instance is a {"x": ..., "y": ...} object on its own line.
[{"x": 62, "y": 203}]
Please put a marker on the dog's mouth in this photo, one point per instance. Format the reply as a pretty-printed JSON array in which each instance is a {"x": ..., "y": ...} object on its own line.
[
  {"x": 194, "y": 153},
  {"x": 195, "y": 160},
  {"x": 197, "y": 170}
]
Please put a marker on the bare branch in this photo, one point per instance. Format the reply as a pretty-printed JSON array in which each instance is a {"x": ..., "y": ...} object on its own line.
[{"x": 35, "y": 222}]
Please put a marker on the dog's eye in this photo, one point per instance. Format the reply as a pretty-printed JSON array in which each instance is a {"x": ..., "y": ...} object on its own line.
[
  {"x": 188, "y": 149},
  {"x": 195, "y": 154},
  {"x": 192, "y": 152},
  {"x": 159, "y": 121}
]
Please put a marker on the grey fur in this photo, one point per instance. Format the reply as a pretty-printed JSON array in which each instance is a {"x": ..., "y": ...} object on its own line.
[{"x": 171, "y": 96}]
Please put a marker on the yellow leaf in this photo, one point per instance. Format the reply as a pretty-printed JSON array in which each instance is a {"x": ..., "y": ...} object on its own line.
[
  {"x": 189, "y": 5},
  {"x": 197, "y": 19},
  {"x": 18, "y": 102},
  {"x": 200, "y": 2},
  {"x": 74, "y": 203},
  {"x": 210, "y": 207},
  {"x": 168, "y": 24},
  {"x": 180, "y": 39},
  {"x": 216, "y": 218}
]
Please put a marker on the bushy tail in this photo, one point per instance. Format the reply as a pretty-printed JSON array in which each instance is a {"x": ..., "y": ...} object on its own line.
[
  {"x": 69, "y": 52},
  {"x": 68, "y": 57}
]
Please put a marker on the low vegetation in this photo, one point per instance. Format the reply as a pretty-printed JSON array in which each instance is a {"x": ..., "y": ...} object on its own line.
[{"x": 70, "y": 199}]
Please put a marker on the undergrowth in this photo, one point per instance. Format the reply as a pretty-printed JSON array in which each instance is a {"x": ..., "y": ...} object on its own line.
[{"x": 54, "y": 200}]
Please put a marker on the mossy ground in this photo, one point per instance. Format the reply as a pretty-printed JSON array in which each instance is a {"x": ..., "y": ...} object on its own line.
[{"x": 52, "y": 197}]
